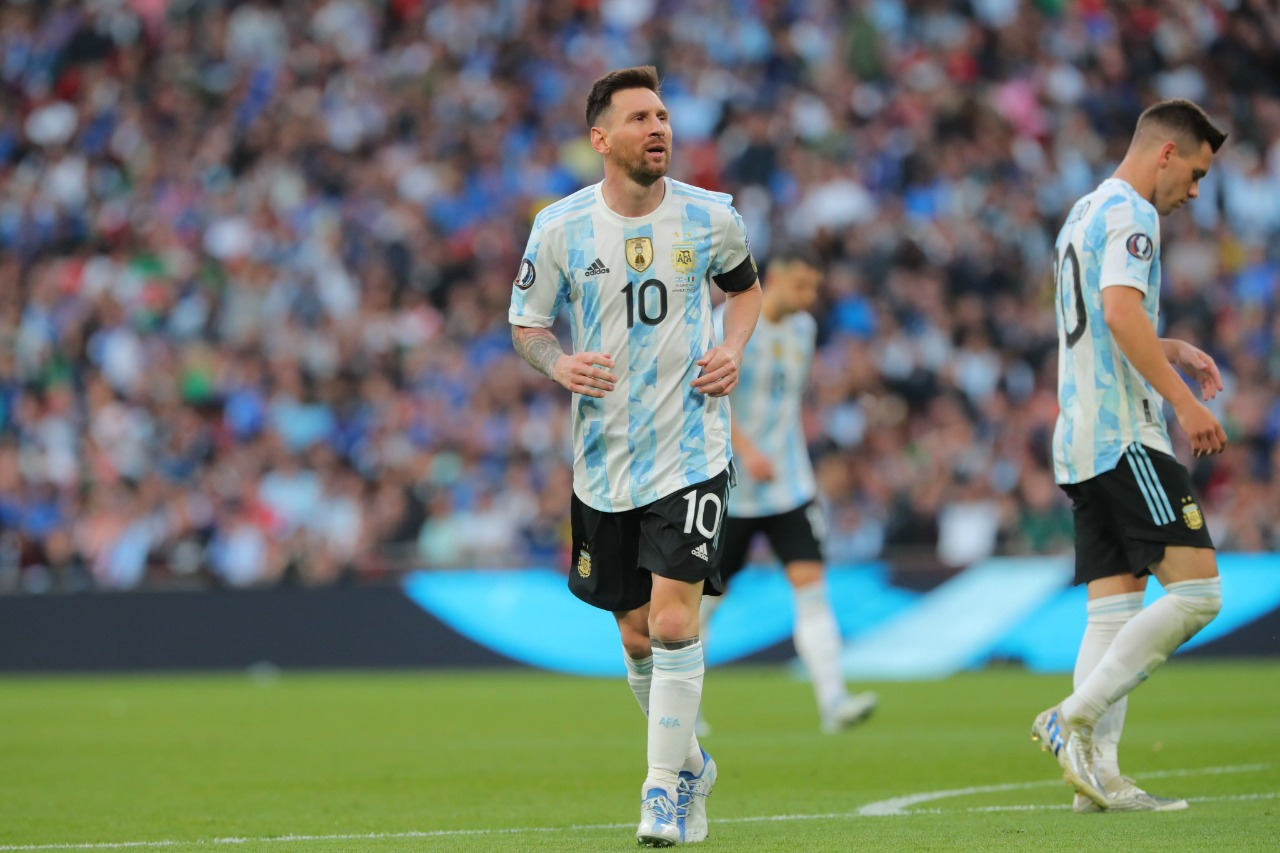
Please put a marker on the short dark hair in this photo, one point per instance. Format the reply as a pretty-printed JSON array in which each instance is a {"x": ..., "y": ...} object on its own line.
[
  {"x": 1183, "y": 119},
  {"x": 791, "y": 253},
  {"x": 601, "y": 97}
]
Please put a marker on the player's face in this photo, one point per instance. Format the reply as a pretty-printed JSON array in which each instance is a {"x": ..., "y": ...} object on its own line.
[
  {"x": 1178, "y": 180},
  {"x": 800, "y": 284},
  {"x": 637, "y": 135}
]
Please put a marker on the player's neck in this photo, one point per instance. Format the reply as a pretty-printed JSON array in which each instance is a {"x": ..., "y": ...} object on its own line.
[
  {"x": 627, "y": 198},
  {"x": 1135, "y": 176}
]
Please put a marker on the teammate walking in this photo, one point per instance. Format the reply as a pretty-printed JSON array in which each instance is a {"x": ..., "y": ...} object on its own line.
[
  {"x": 633, "y": 258},
  {"x": 776, "y": 494},
  {"x": 1135, "y": 513}
]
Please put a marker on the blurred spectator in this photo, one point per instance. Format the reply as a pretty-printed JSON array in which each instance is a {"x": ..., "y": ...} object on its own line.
[{"x": 255, "y": 260}]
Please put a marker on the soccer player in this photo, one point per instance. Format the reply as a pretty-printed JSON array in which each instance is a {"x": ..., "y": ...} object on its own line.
[
  {"x": 776, "y": 492},
  {"x": 1135, "y": 513},
  {"x": 633, "y": 257}
]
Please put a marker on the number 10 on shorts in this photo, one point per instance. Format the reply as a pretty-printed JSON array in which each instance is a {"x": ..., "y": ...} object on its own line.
[{"x": 696, "y": 516}]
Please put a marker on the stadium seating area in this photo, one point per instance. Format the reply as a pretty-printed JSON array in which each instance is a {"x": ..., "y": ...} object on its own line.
[{"x": 255, "y": 260}]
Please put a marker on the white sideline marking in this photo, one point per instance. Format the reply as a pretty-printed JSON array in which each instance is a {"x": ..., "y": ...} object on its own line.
[
  {"x": 897, "y": 806},
  {"x": 884, "y": 808},
  {"x": 1062, "y": 806}
]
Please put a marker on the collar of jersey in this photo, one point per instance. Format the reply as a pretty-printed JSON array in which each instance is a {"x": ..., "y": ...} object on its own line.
[{"x": 629, "y": 220}]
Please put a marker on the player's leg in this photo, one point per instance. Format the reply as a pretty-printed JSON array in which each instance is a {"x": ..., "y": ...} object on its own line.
[
  {"x": 680, "y": 546},
  {"x": 1099, "y": 555},
  {"x": 1194, "y": 596},
  {"x": 1113, "y": 601},
  {"x": 796, "y": 537},
  {"x": 735, "y": 546},
  {"x": 637, "y": 652},
  {"x": 1137, "y": 501},
  {"x": 1173, "y": 544}
]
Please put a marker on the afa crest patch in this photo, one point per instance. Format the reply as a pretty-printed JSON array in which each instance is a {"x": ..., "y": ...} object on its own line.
[
  {"x": 1140, "y": 246},
  {"x": 584, "y": 564},
  {"x": 1192, "y": 516}
]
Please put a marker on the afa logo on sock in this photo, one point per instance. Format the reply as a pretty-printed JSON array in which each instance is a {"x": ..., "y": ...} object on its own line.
[{"x": 669, "y": 722}]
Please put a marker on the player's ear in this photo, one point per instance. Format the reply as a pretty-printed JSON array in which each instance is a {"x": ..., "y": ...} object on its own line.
[
  {"x": 600, "y": 140},
  {"x": 1166, "y": 153}
]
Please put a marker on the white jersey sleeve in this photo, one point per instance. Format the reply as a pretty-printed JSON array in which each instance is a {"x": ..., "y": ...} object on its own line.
[
  {"x": 541, "y": 287},
  {"x": 732, "y": 267},
  {"x": 1128, "y": 249}
]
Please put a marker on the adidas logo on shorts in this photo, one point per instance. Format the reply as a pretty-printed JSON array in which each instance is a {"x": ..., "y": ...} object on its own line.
[
  {"x": 701, "y": 552},
  {"x": 597, "y": 268}
]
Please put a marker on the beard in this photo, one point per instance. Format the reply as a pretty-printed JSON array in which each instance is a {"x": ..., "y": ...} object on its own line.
[{"x": 645, "y": 173}]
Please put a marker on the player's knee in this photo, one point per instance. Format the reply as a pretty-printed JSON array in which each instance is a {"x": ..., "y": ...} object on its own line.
[
  {"x": 1199, "y": 599},
  {"x": 673, "y": 623}
]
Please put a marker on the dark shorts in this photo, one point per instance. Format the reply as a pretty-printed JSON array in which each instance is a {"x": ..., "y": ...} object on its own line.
[
  {"x": 795, "y": 535},
  {"x": 616, "y": 554},
  {"x": 1125, "y": 517}
]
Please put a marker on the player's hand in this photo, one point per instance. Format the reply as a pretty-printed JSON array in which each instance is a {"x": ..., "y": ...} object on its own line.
[
  {"x": 719, "y": 371},
  {"x": 585, "y": 373},
  {"x": 1200, "y": 366},
  {"x": 1206, "y": 434},
  {"x": 759, "y": 466}
]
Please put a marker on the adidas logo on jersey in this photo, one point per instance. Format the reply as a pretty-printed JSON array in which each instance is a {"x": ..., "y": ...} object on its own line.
[
  {"x": 701, "y": 552},
  {"x": 597, "y": 268}
]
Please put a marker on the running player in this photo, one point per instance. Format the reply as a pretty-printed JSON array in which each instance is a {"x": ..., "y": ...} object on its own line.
[{"x": 633, "y": 258}]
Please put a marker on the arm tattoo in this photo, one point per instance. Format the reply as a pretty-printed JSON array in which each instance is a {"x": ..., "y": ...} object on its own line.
[{"x": 539, "y": 347}]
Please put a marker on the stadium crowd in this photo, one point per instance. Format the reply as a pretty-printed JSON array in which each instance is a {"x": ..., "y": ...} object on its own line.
[{"x": 255, "y": 260}]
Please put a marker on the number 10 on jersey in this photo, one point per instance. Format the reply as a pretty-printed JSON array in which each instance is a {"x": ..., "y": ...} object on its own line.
[{"x": 640, "y": 303}]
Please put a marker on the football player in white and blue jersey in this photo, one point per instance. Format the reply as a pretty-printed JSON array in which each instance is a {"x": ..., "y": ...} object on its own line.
[
  {"x": 776, "y": 495},
  {"x": 632, "y": 259},
  {"x": 1135, "y": 513}
]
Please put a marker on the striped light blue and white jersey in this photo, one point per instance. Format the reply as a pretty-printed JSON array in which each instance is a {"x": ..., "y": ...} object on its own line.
[
  {"x": 1111, "y": 238},
  {"x": 767, "y": 406},
  {"x": 638, "y": 289}
]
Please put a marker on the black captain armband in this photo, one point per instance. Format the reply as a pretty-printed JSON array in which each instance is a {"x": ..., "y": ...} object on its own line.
[{"x": 739, "y": 278}]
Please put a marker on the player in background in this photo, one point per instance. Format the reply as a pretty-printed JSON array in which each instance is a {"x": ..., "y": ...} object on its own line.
[
  {"x": 1135, "y": 513},
  {"x": 776, "y": 493},
  {"x": 633, "y": 259}
]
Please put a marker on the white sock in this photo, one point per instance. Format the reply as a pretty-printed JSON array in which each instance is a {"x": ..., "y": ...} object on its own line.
[
  {"x": 640, "y": 680},
  {"x": 1143, "y": 644},
  {"x": 818, "y": 642},
  {"x": 1106, "y": 617},
  {"x": 674, "y": 697}
]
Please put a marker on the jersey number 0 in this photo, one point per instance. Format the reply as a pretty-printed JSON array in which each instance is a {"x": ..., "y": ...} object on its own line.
[{"x": 1082, "y": 316}]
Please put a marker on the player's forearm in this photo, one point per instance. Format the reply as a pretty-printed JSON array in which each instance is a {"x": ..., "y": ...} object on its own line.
[
  {"x": 741, "y": 311},
  {"x": 537, "y": 346},
  {"x": 1148, "y": 353}
]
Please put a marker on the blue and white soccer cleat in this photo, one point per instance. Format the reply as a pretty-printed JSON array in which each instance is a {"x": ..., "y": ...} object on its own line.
[
  {"x": 691, "y": 799},
  {"x": 660, "y": 821},
  {"x": 1073, "y": 747}
]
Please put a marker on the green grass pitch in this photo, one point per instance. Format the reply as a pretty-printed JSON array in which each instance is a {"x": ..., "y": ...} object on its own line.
[{"x": 532, "y": 761}]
